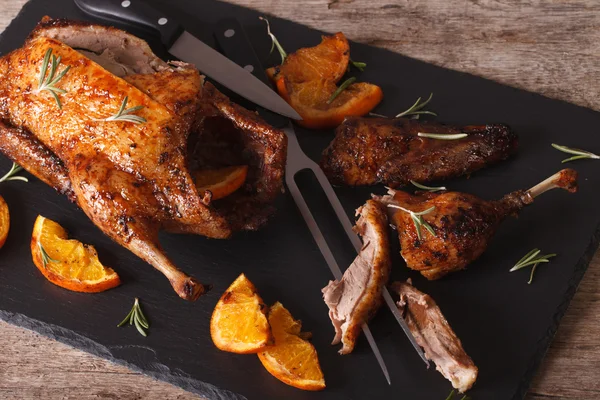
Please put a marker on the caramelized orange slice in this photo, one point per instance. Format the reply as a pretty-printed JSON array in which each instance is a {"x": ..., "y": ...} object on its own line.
[
  {"x": 239, "y": 322},
  {"x": 221, "y": 182},
  {"x": 68, "y": 263},
  {"x": 292, "y": 359},
  {"x": 4, "y": 221},
  {"x": 308, "y": 78}
]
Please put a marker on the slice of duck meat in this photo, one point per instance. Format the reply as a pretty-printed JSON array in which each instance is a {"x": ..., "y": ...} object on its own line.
[
  {"x": 367, "y": 151},
  {"x": 354, "y": 299},
  {"x": 434, "y": 334}
]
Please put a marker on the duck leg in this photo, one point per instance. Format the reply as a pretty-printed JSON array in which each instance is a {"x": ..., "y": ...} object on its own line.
[{"x": 456, "y": 228}]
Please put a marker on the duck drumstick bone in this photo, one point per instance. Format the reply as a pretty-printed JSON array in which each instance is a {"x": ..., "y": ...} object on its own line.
[{"x": 462, "y": 225}]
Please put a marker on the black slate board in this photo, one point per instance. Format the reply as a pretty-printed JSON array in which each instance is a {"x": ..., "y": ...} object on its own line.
[{"x": 505, "y": 324}]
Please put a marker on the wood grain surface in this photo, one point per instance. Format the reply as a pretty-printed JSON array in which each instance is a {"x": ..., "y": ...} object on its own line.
[{"x": 546, "y": 46}]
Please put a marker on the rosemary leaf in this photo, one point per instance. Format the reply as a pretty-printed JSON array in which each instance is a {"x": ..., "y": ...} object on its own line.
[
  {"x": 428, "y": 227},
  {"x": 274, "y": 41},
  {"x": 442, "y": 136},
  {"x": 341, "y": 88},
  {"x": 428, "y": 188},
  {"x": 44, "y": 67},
  {"x": 430, "y": 209},
  {"x": 126, "y": 319},
  {"x": 139, "y": 327},
  {"x": 45, "y": 257},
  {"x": 418, "y": 222},
  {"x": 452, "y": 393},
  {"x": 579, "y": 154},
  {"x": 10, "y": 175},
  {"x": 358, "y": 65},
  {"x": 141, "y": 321},
  {"x": 531, "y": 274}
]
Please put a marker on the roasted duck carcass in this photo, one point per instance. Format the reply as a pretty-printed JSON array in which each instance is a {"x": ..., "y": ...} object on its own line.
[
  {"x": 356, "y": 298},
  {"x": 367, "y": 151},
  {"x": 455, "y": 228},
  {"x": 106, "y": 122},
  {"x": 434, "y": 334}
]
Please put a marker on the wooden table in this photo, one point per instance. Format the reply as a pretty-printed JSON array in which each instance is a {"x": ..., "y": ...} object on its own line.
[{"x": 550, "y": 46}]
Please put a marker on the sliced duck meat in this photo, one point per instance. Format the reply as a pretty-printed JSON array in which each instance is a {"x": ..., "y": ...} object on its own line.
[
  {"x": 434, "y": 334},
  {"x": 357, "y": 296}
]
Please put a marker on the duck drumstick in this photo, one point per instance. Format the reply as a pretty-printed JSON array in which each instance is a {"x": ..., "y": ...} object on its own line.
[{"x": 445, "y": 231}]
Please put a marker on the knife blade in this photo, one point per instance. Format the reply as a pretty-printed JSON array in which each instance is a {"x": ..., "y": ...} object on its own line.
[
  {"x": 188, "y": 48},
  {"x": 241, "y": 51}
]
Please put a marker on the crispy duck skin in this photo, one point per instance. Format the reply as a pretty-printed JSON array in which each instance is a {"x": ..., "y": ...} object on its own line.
[
  {"x": 130, "y": 179},
  {"x": 463, "y": 224},
  {"x": 434, "y": 334},
  {"x": 357, "y": 297},
  {"x": 367, "y": 151}
]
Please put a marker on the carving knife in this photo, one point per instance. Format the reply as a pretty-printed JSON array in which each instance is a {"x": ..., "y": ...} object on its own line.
[
  {"x": 188, "y": 48},
  {"x": 239, "y": 49}
]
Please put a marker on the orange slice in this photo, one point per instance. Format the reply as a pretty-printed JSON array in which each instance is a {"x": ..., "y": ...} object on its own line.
[
  {"x": 308, "y": 78},
  {"x": 221, "y": 182},
  {"x": 68, "y": 263},
  {"x": 239, "y": 322},
  {"x": 292, "y": 359},
  {"x": 4, "y": 221}
]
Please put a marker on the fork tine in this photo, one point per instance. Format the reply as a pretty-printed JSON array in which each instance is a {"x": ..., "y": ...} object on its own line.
[{"x": 330, "y": 259}]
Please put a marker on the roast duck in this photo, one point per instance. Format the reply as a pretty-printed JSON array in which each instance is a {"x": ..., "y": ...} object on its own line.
[{"x": 132, "y": 176}]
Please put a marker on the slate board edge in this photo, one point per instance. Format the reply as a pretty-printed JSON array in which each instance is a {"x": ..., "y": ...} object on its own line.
[
  {"x": 159, "y": 372},
  {"x": 164, "y": 373},
  {"x": 544, "y": 344}
]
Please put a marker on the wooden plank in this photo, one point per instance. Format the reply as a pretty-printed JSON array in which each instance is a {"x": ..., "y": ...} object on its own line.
[{"x": 550, "y": 47}]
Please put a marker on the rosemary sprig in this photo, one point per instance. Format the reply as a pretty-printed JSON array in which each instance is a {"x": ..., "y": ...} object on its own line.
[
  {"x": 417, "y": 218},
  {"x": 578, "y": 154},
  {"x": 274, "y": 41},
  {"x": 417, "y": 109},
  {"x": 452, "y": 393},
  {"x": 442, "y": 136},
  {"x": 10, "y": 175},
  {"x": 532, "y": 258},
  {"x": 428, "y": 188},
  {"x": 126, "y": 114},
  {"x": 341, "y": 88},
  {"x": 45, "y": 257},
  {"x": 48, "y": 80},
  {"x": 136, "y": 317},
  {"x": 358, "y": 65}
]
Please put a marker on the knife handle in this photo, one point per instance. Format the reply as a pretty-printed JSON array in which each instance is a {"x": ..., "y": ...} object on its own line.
[
  {"x": 235, "y": 44},
  {"x": 136, "y": 12}
]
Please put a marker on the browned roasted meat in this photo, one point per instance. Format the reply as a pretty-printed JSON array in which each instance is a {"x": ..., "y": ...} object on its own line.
[
  {"x": 367, "y": 151},
  {"x": 356, "y": 298},
  {"x": 434, "y": 334},
  {"x": 463, "y": 224},
  {"x": 131, "y": 179}
]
